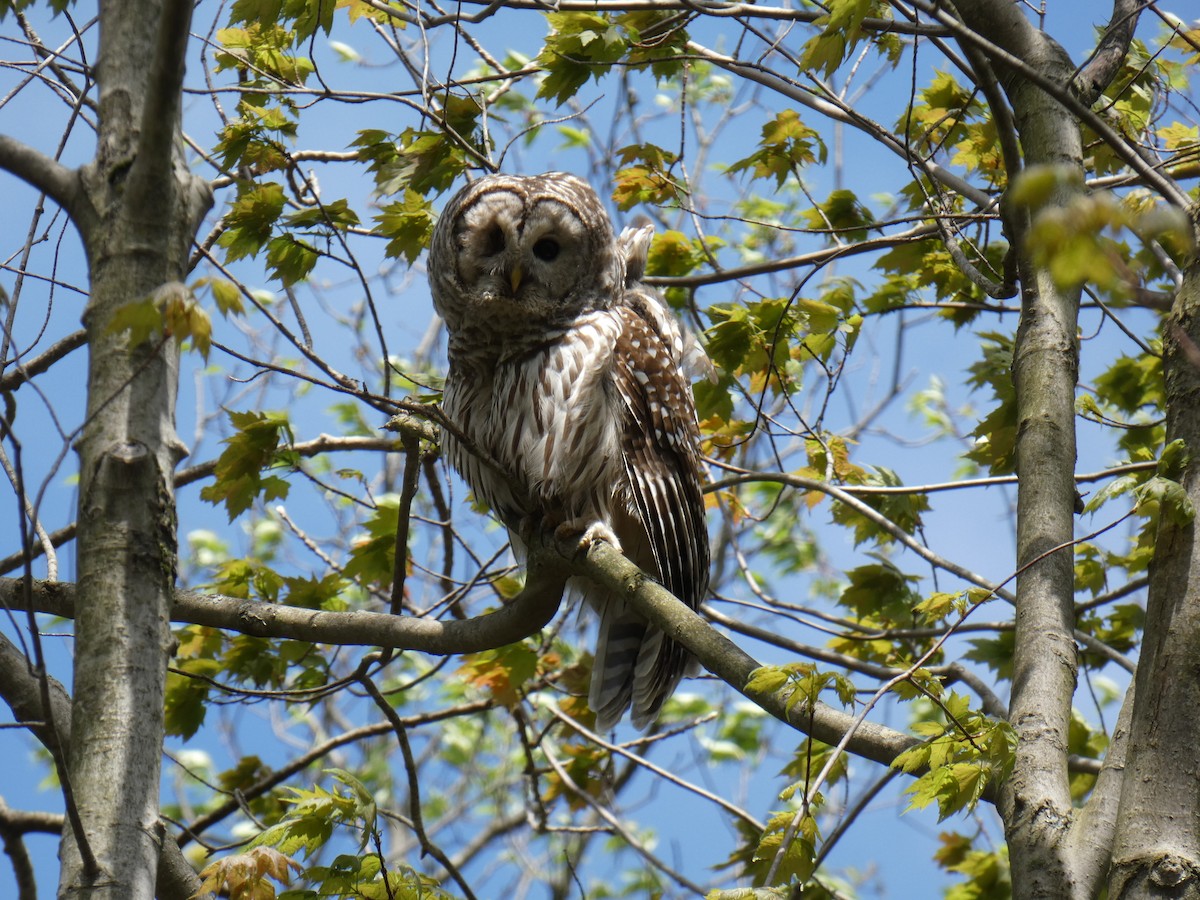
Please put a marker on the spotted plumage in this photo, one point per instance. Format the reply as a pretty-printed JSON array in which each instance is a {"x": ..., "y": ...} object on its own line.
[{"x": 569, "y": 373}]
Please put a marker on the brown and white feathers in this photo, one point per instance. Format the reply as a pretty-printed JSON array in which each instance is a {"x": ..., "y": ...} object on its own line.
[{"x": 569, "y": 372}]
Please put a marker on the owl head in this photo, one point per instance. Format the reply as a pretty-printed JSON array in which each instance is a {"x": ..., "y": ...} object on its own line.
[{"x": 515, "y": 252}]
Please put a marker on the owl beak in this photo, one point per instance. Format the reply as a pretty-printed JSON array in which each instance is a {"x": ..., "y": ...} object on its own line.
[{"x": 515, "y": 277}]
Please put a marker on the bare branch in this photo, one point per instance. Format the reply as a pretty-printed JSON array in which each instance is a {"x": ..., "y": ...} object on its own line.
[
  {"x": 23, "y": 689},
  {"x": 713, "y": 8},
  {"x": 52, "y": 178},
  {"x": 1106, "y": 60},
  {"x": 22, "y": 372},
  {"x": 525, "y": 615}
]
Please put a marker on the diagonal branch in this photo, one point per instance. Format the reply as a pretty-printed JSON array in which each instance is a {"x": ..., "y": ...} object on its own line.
[{"x": 604, "y": 564}]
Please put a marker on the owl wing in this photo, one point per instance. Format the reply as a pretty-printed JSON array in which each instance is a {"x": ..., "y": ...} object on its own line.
[{"x": 659, "y": 440}]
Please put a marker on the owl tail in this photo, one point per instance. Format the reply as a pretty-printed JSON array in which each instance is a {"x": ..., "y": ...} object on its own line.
[{"x": 635, "y": 665}]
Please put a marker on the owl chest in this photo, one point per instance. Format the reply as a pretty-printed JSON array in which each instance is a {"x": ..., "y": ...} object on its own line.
[{"x": 551, "y": 421}]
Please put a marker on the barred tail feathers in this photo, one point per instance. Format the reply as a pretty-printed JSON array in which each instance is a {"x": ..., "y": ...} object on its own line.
[{"x": 636, "y": 665}]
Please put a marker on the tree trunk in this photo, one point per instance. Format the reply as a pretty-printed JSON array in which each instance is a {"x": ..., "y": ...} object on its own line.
[
  {"x": 1036, "y": 802},
  {"x": 138, "y": 219},
  {"x": 1157, "y": 848}
]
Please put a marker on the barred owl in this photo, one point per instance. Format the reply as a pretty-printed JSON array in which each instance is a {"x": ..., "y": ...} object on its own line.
[{"x": 568, "y": 372}]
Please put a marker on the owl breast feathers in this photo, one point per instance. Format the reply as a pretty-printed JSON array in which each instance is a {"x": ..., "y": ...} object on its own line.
[{"x": 568, "y": 371}]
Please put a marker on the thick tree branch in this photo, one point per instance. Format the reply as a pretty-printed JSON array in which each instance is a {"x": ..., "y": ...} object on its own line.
[
  {"x": 604, "y": 564},
  {"x": 1156, "y": 835},
  {"x": 21, "y": 689},
  {"x": 14, "y": 825},
  {"x": 47, "y": 175},
  {"x": 1036, "y": 802},
  {"x": 1090, "y": 843},
  {"x": 549, "y": 567},
  {"x": 524, "y": 615},
  {"x": 1106, "y": 60}
]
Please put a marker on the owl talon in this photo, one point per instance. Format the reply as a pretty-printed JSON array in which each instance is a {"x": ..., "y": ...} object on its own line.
[{"x": 588, "y": 532}]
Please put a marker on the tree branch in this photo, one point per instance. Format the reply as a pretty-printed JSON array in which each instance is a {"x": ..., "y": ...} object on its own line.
[
  {"x": 550, "y": 564},
  {"x": 1102, "y": 66},
  {"x": 22, "y": 372},
  {"x": 605, "y": 565},
  {"x": 151, "y": 173},
  {"x": 14, "y": 826},
  {"x": 47, "y": 175},
  {"x": 21, "y": 689},
  {"x": 525, "y": 615}
]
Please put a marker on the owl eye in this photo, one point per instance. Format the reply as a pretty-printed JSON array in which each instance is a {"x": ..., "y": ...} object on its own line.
[
  {"x": 493, "y": 241},
  {"x": 546, "y": 249}
]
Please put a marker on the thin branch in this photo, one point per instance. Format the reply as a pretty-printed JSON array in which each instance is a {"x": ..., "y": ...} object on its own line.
[
  {"x": 414, "y": 787},
  {"x": 616, "y": 825},
  {"x": 705, "y": 7},
  {"x": 617, "y": 749},
  {"x": 277, "y": 777}
]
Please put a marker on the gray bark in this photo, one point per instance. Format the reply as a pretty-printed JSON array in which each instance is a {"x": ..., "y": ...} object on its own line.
[
  {"x": 26, "y": 694},
  {"x": 1036, "y": 802},
  {"x": 1157, "y": 848},
  {"x": 139, "y": 213}
]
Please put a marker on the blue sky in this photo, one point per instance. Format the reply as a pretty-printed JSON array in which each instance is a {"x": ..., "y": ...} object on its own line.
[{"x": 971, "y": 529}]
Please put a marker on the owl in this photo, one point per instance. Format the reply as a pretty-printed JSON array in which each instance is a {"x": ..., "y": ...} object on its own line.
[{"x": 568, "y": 372}]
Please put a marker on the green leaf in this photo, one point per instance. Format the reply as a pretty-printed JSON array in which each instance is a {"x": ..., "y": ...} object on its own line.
[
  {"x": 672, "y": 253},
  {"x": 766, "y": 680},
  {"x": 251, "y": 219},
  {"x": 799, "y": 856},
  {"x": 372, "y": 558},
  {"x": 842, "y": 29},
  {"x": 996, "y": 434},
  {"x": 253, "y": 448},
  {"x": 1163, "y": 496},
  {"x": 186, "y": 698},
  {"x": 842, "y": 213},
  {"x": 645, "y": 177},
  {"x": 787, "y": 145},
  {"x": 290, "y": 259},
  {"x": 141, "y": 319},
  {"x": 580, "y": 45},
  {"x": 407, "y": 224}
]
